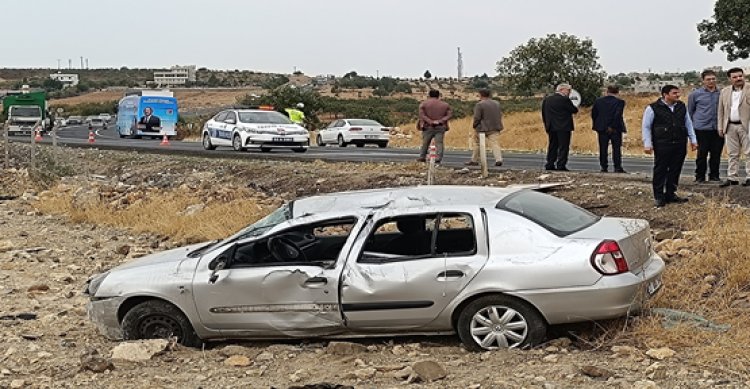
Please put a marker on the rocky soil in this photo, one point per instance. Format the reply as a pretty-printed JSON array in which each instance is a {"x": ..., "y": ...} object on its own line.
[{"x": 46, "y": 340}]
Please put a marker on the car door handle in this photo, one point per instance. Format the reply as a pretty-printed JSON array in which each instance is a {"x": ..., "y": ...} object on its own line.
[
  {"x": 316, "y": 280},
  {"x": 450, "y": 274}
]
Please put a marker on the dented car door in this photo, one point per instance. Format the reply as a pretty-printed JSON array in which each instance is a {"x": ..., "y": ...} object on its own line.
[
  {"x": 409, "y": 266},
  {"x": 267, "y": 299}
]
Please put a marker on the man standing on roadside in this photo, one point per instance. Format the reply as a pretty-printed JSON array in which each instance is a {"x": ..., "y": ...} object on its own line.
[
  {"x": 557, "y": 115},
  {"x": 606, "y": 115},
  {"x": 488, "y": 119},
  {"x": 433, "y": 122},
  {"x": 733, "y": 121},
  {"x": 703, "y": 106},
  {"x": 666, "y": 130}
]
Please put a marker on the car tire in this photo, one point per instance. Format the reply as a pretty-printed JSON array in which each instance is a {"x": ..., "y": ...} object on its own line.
[
  {"x": 157, "y": 319},
  {"x": 319, "y": 141},
  {"x": 383, "y": 145},
  {"x": 300, "y": 149},
  {"x": 237, "y": 143},
  {"x": 207, "y": 143},
  {"x": 340, "y": 141},
  {"x": 527, "y": 328}
]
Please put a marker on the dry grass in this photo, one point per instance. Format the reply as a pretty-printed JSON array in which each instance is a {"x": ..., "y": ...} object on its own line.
[
  {"x": 721, "y": 250},
  {"x": 524, "y": 131},
  {"x": 187, "y": 98},
  {"x": 161, "y": 213}
]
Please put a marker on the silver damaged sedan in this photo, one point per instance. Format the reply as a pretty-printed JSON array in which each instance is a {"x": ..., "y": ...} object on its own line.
[{"x": 496, "y": 266}]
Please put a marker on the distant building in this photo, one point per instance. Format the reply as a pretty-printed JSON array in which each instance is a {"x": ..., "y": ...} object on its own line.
[
  {"x": 67, "y": 79},
  {"x": 175, "y": 76},
  {"x": 654, "y": 86}
]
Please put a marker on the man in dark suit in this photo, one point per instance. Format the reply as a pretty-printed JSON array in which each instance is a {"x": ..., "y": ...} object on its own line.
[
  {"x": 557, "y": 115},
  {"x": 606, "y": 115},
  {"x": 148, "y": 120}
]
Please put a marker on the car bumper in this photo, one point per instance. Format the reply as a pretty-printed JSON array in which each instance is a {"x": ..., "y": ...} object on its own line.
[
  {"x": 610, "y": 297},
  {"x": 103, "y": 313},
  {"x": 276, "y": 141},
  {"x": 367, "y": 138}
]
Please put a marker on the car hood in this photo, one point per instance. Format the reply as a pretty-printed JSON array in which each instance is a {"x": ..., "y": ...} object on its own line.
[{"x": 174, "y": 255}]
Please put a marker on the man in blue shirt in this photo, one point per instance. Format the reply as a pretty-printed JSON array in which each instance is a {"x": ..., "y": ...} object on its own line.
[
  {"x": 666, "y": 129},
  {"x": 702, "y": 107}
]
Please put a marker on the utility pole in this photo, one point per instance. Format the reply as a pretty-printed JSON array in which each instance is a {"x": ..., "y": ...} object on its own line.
[
  {"x": 377, "y": 74},
  {"x": 81, "y": 62},
  {"x": 70, "y": 64},
  {"x": 87, "y": 64},
  {"x": 460, "y": 65},
  {"x": 58, "y": 64}
]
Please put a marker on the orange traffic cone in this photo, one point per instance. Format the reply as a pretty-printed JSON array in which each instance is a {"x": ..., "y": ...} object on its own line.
[
  {"x": 164, "y": 141},
  {"x": 38, "y": 136},
  {"x": 91, "y": 135}
]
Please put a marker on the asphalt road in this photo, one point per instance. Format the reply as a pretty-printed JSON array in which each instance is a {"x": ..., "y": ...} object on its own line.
[{"x": 77, "y": 136}]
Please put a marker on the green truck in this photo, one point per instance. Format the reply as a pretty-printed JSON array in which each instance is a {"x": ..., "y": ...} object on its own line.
[{"x": 24, "y": 109}]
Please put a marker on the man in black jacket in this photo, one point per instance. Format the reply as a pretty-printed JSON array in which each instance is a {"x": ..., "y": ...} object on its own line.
[
  {"x": 606, "y": 115},
  {"x": 666, "y": 130},
  {"x": 557, "y": 114}
]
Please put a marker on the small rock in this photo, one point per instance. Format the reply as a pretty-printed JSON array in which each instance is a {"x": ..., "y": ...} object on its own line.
[
  {"x": 656, "y": 371},
  {"x": 16, "y": 384},
  {"x": 237, "y": 361},
  {"x": 94, "y": 362},
  {"x": 625, "y": 350},
  {"x": 38, "y": 288},
  {"x": 359, "y": 363},
  {"x": 403, "y": 373},
  {"x": 141, "y": 350},
  {"x": 365, "y": 374},
  {"x": 398, "y": 350},
  {"x": 193, "y": 210},
  {"x": 429, "y": 371},
  {"x": 31, "y": 336},
  {"x": 595, "y": 372},
  {"x": 551, "y": 358},
  {"x": 561, "y": 342},
  {"x": 668, "y": 234},
  {"x": 6, "y": 245},
  {"x": 345, "y": 348},
  {"x": 234, "y": 349},
  {"x": 544, "y": 177},
  {"x": 645, "y": 385},
  {"x": 123, "y": 250},
  {"x": 661, "y": 353},
  {"x": 264, "y": 356},
  {"x": 710, "y": 279}
]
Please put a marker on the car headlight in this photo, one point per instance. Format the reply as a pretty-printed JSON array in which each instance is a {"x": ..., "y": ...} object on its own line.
[{"x": 93, "y": 283}]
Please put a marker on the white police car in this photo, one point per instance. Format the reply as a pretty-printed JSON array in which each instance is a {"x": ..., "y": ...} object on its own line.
[{"x": 262, "y": 129}]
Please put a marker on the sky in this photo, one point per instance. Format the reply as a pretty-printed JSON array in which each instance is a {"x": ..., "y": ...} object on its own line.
[{"x": 400, "y": 38}]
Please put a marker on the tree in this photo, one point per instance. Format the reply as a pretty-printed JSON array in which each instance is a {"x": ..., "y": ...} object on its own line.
[
  {"x": 729, "y": 28},
  {"x": 427, "y": 74},
  {"x": 286, "y": 97},
  {"x": 542, "y": 63}
]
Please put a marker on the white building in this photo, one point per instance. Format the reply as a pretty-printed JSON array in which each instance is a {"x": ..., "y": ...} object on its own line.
[
  {"x": 65, "y": 78},
  {"x": 175, "y": 76}
]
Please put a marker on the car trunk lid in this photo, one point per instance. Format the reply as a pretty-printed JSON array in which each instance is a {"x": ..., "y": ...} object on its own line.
[{"x": 632, "y": 235}]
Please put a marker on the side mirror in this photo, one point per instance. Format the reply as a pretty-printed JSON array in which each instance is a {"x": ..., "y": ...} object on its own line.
[{"x": 220, "y": 265}]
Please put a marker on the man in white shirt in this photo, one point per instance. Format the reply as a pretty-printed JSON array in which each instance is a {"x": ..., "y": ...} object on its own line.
[{"x": 733, "y": 124}]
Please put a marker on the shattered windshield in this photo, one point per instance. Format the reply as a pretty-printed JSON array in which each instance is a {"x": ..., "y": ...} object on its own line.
[{"x": 275, "y": 218}]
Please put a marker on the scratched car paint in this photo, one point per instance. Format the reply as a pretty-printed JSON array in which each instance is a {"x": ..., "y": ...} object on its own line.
[{"x": 496, "y": 266}]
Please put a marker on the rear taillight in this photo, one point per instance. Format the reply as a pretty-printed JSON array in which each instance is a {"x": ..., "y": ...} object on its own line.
[
  {"x": 355, "y": 129},
  {"x": 608, "y": 259}
]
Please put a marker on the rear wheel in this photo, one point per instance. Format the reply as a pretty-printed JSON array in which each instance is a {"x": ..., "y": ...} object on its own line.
[
  {"x": 207, "y": 142},
  {"x": 383, "y": 145},
  {"x": 500, "y": 322},
  {"x": 156, "y": 319},
  {"x": 319, "y": 141},
  {"x": 237, "y": 143},
  {"x": 340, "y": 141}
]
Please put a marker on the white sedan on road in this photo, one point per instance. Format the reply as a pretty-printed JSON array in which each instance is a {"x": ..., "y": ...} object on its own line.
[
  {"x": 244, "y": 129},
  {"x": 357, "y": 131}
]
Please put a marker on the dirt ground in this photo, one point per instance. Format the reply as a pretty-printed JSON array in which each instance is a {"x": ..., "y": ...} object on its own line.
[{"x": 45, "y": 260}]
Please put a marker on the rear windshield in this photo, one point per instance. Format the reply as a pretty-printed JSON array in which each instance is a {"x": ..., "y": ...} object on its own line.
[
  {"x": 557, "y": 215},
  {"x": 269, "y": 117},
  {"x": 364, "y": 122}
]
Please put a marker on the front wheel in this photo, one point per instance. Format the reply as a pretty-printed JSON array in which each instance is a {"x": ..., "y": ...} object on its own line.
[
  {"x": 237, "y": 143},
  {"x": 340, "y": 141},
  {"x": 319, "y": 141},
  {"x": 207, "y": 143},
  {"x": 156, "y": 319},
  {"x": 500, "y": 322}
]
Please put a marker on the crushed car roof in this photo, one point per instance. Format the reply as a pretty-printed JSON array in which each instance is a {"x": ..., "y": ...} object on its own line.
[{"x": 404, "y": 197}]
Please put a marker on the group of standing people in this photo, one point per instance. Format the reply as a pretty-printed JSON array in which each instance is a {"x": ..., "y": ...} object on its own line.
[{"x": 711, "y": 119}]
